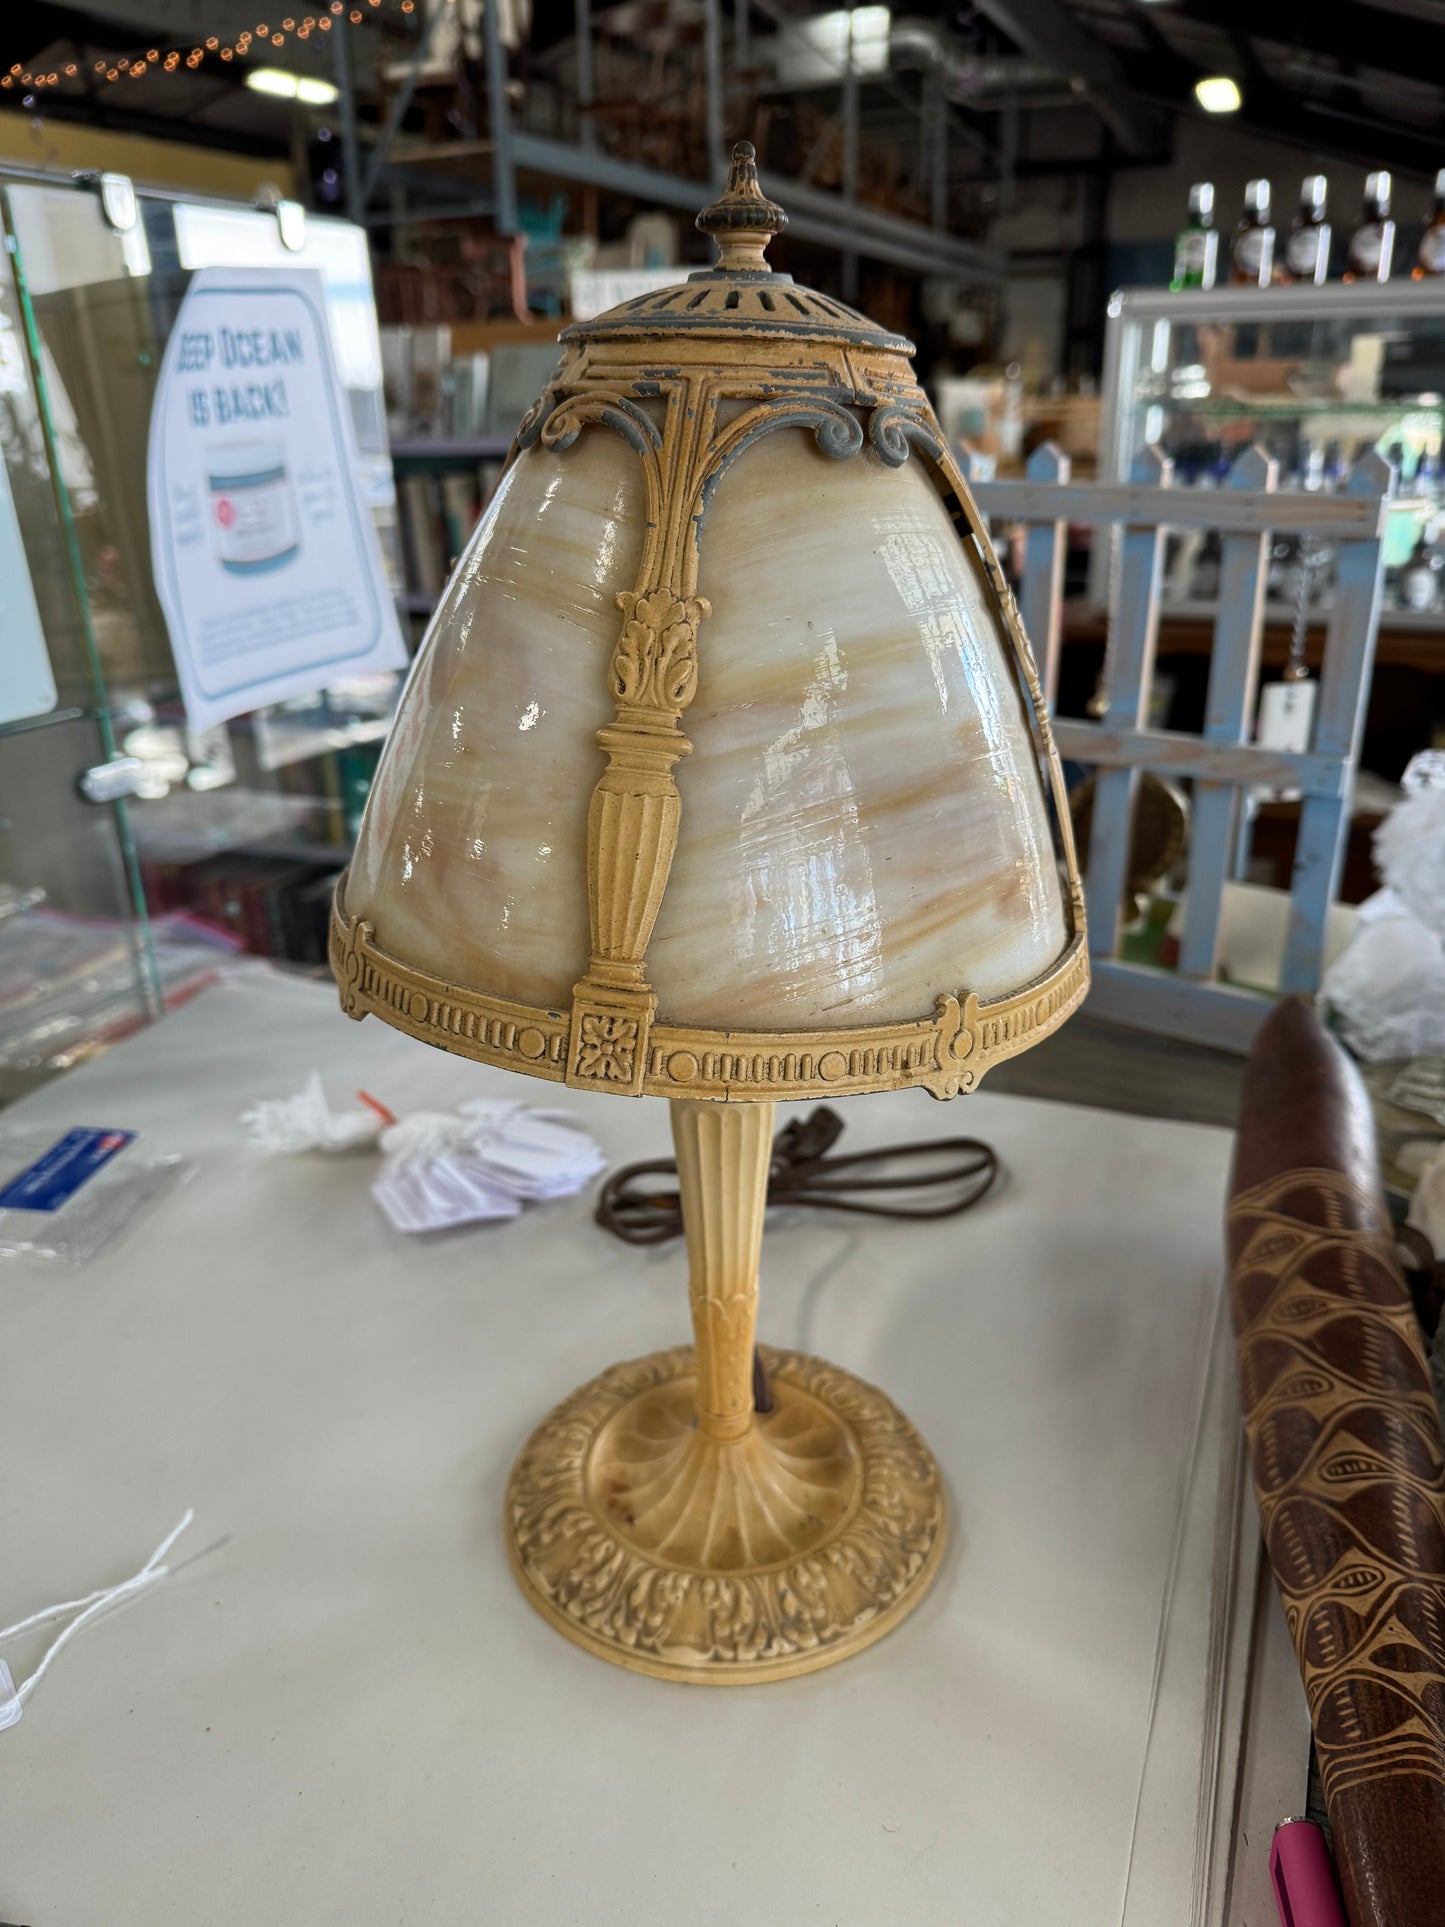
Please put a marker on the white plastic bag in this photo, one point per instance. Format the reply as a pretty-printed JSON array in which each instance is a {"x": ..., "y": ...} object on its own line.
[{"x": 64, "y": 1194}]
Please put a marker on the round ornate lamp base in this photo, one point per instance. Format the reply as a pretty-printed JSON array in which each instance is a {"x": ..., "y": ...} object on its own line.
[{"x": 725, "y": 1562}]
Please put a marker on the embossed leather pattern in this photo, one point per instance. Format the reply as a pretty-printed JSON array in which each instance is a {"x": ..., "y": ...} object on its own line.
[{"x": 1346, "y": 1454}]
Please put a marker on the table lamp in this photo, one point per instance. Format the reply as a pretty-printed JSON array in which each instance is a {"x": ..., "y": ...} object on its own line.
[{"x": 852, "y": 885}]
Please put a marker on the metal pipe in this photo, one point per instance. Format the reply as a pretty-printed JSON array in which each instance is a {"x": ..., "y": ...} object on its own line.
[
  {"x": 813, "y": 214},
  {"x": 586, "y": 71},
  {"x": 403, "y": 214},
  {"x": 966, "y": 75},
  {"x": 1008, "y": 155},
  {"x": 397, "y": 113},
  {"x": 850, "y": 159},
  {"x": 1051, "y": 30},
  {"x": 712, "y": 80},
  {"x": 504, "y": 173},
  {"x": 938, "y": 185},
  {"x": 346, "y": 101}
]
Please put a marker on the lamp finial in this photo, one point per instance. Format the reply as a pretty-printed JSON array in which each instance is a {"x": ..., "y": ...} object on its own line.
[{"x": 744, "y": 220}]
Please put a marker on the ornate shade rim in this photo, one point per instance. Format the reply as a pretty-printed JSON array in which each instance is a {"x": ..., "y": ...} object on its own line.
[{"x": 945, "y": 1054}]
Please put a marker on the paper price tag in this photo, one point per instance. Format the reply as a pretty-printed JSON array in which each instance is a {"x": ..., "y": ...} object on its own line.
[
  {"x": 451, "y": 1169},
  {"x": 1421, "y": 1087},
  {"x": 441, "y": 1192},
  {"x": 1287, "y": 715}
]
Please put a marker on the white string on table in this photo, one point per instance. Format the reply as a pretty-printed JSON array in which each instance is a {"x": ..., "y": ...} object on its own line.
[{"x": 86, "y": 1609}]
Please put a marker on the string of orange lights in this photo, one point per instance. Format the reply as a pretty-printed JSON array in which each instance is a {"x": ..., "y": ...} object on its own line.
[{"x": 253, "y": 40}]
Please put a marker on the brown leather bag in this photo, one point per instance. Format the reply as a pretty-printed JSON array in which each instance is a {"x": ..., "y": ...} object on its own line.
[{"x": 1344, "y": 1442}]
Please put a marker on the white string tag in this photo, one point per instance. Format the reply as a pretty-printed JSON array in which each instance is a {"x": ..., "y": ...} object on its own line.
[
  {"x": 306, "y": 1122},
  {"x": 1287, "y": 715},
  {"x": 85, "y": 1610},
  {"x": 10, "y": 1703},
  {"x": 453, "y": 1168}
]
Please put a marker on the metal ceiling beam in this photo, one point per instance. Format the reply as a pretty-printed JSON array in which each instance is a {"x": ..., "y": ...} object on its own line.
[
  {"x": 1322, "y": 130},
  {"x": 1049, "y": 31},
  {"x": 1343, "y": 135},
  {"x": 1361, "y": 36},
  {"x": 1288, "y": 114},
  {"x": 825, "y": 219},
  {"x": 479, "y": 207},
  {"x": 29, "y": 30},
  {"x": 1172, "y": 74},
  {"x": 830, "y": 221}
]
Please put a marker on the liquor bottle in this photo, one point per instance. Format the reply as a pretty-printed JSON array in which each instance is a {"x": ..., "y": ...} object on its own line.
[
  {"x": 1372, "y": 245},
  {"x": 1253, "y": 251},
  {"x": 1420, "y": 578},
  {"x": 1307, "y": 250},
  {"x": 1196, "y": 249},
  {"x": 1430, "y": 256}
]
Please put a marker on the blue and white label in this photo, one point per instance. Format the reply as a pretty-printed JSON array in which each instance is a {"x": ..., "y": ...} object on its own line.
[{"x": 55, "y": 1177}]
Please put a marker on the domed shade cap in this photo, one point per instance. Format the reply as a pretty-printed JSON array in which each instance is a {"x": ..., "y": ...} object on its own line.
[{"x": 733, "y": 513}]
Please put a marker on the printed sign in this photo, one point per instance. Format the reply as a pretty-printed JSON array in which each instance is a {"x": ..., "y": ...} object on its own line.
[
  {"x": 266, "y": 560},
  {"x": 27, "y": 687}
]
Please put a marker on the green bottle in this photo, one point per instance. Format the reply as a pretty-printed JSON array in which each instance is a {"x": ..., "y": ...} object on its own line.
[{"x": 1196, "y": 251}]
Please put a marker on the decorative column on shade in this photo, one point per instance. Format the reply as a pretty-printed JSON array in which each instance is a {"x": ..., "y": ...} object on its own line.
[{"x": 734, "y": 508}]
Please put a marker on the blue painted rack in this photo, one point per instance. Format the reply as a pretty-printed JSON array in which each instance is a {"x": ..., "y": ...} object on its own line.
[{"x": 1221, "y": 762}]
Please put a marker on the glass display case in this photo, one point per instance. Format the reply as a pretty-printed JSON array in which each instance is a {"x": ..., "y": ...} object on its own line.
[
  {"x": 138, "y": 855},
  {"x": 1315, "y": 375}
]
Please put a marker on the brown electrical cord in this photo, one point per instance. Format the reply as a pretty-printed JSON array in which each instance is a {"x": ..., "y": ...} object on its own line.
[{"x": 801, "y": 1172}]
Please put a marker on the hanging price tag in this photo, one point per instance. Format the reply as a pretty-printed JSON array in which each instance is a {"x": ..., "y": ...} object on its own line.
[{"x": 1287, "y": 715}]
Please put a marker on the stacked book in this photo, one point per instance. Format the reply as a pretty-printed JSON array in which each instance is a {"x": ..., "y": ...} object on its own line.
[{"x": 438, "y": 514}]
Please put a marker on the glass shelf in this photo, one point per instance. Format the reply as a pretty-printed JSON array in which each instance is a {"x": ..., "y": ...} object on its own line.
[
  {"x": 1293, "y": 408},
  {"x": 1371, "y": 357},
  {"x": 1314, "y": 376}
]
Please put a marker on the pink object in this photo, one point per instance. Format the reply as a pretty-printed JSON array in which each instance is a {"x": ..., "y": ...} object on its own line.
[{"x": 1304, "y": 1879}]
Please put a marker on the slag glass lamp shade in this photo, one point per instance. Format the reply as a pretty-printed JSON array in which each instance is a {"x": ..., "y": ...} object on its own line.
[{"x": 732, "y": 532}]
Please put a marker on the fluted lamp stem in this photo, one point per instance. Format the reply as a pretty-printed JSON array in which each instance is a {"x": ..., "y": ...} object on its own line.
[{"x": 723, "y": 1151}]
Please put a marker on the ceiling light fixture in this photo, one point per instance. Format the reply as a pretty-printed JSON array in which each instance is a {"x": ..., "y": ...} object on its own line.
[
  {"x": 1218, "y": 94},
  {"x": 283, "y": 86},
  {"x": 272, "y": 80}
]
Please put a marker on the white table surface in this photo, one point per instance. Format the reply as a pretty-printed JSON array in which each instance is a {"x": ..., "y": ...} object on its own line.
[{"x": 340, "y": 1709}]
